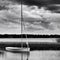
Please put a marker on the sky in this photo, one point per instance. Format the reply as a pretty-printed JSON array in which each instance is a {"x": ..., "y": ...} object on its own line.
[
  {"x": 40, "y": 16},
  {"x": 10, "y": 17}
]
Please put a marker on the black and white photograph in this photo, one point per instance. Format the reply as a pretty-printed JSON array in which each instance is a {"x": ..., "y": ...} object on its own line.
[
  {"x": 24, "y": 17},
  {"x": 30, "y": 49}
]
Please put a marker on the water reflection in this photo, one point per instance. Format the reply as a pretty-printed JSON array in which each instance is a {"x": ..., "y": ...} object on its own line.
[
  {"x": 34, "y": 55},
  {"x": 45, "y": 55},
  {"x": 15, "y": 56},
  {"x": 2, "y": 54}
]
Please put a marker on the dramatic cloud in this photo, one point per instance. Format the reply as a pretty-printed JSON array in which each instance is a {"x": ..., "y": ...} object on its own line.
[
  {"x": 40, "y": 18},
  {"x": 34, "y": 12},
  {"x": 41, "y": 2},
  {"x": 35, "y": 17},
  {"x": 10, "y": 19}
]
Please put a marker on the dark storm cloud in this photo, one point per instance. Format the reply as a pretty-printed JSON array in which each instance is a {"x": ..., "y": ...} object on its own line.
[
  {"x": 41, "y": 2},
  {"x": 2, "y": 7},
  {"x": 54, "y": 7},
  {"x": 36, "y": 2},
  {"x": 32, "y": 2},
  {"x": 56, "y": 1}
]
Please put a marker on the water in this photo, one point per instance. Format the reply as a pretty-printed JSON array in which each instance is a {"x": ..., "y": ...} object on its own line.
[{"x": 34, "y": 55}]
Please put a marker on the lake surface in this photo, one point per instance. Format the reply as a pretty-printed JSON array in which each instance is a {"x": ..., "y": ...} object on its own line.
[{"x": 34, "y": 55}]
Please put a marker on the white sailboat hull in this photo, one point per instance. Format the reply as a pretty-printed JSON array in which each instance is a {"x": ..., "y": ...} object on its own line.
[{"x": 16, "y": 49}]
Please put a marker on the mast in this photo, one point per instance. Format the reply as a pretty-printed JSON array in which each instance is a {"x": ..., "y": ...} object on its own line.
[{"x": 21, "y": 24}]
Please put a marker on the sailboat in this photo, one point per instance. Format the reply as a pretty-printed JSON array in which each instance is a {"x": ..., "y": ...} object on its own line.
[{"x": 20, "y": 49}]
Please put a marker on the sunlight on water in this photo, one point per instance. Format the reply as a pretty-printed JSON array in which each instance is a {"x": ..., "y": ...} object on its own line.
[
  {"x": 34, "y": 55},
  {"x": 13, "y": 56}
]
